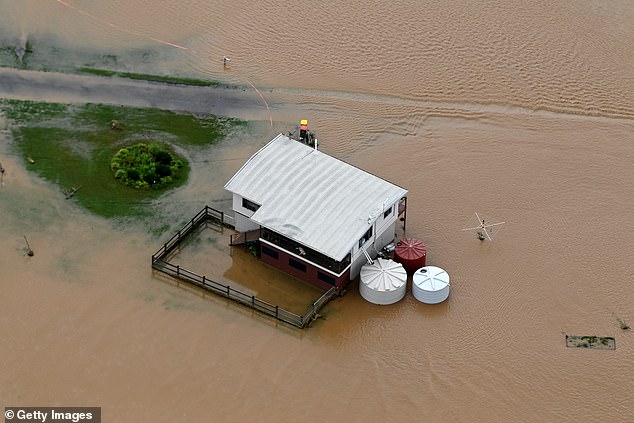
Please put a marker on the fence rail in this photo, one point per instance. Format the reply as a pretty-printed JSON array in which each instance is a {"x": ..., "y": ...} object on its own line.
[
  {"x": 207, "y": 213},
  {"x": 160, "y": 264}
]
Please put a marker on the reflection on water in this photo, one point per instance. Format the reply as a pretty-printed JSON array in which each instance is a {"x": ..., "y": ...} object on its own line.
[{"x": 522, "y": 111}]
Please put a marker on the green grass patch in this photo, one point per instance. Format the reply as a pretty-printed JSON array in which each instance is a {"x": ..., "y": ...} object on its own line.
[
  {"x": 98, "y": 72},
  {"x": 27, "y": 111},
  {"x": 153, "y": 78},
  {"x": 73, "y": 146},
  {"x": 190, "y": 129}
]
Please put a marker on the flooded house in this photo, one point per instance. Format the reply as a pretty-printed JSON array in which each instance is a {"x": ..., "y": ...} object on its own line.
[{"x": 312, "y": 215}]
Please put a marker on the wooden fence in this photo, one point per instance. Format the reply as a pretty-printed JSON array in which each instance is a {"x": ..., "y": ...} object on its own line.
[
  {"x": 201, "y": 217},
  {"x": 160, "y": 264}
]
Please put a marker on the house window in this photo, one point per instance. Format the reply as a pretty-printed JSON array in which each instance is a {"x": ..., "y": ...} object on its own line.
[
  {"x": 297, "y": 265},
  {"x": 387, "y": 212},
  {"x": 270, "y": 252},
  {"x": 250, "y": 205},
  {"x": 365, "y": 237},
  {"x": 326, "y": 278}
]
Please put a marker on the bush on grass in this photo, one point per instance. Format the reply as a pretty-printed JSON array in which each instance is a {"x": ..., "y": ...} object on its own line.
[{"x": 146, "y": 166}]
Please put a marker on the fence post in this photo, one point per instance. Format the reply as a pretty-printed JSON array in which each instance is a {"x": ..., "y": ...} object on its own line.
[
  {"x": 253, "y": 301},
  {"x": 178, "y": 270},
  {"x": 204, "y": 283},
  {"x": 228, "y": 289},
  {"x": 276, "y": 311}
]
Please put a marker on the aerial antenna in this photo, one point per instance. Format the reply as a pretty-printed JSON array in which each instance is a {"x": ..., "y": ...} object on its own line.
[{"x": 485, "y": 228}]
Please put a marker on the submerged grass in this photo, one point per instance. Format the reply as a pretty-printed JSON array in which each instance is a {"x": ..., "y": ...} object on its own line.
[
  {"x": 39, "y": 54},
  {"x": 27, "y": 111},
  {"x": 146, "y": 77},
  {"x": 72, "y": 146}
]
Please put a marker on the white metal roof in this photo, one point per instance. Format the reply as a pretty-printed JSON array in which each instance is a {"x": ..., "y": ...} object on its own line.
[{"x": 311, "y": 197}]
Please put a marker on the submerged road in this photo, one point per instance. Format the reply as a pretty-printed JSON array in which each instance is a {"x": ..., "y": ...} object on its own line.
[{"x": 240, "y": 102}]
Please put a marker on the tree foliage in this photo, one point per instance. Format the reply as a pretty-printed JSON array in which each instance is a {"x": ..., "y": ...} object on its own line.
[{"x": 146, "y": 166}]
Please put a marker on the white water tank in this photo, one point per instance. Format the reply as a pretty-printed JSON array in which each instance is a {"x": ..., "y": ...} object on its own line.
[
  {"x": 383, "y": 282},
  {"x": 430, "y": 285}
]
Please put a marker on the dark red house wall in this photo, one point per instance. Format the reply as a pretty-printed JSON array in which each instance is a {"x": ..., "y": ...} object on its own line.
[{"x": 311, "y": 273}]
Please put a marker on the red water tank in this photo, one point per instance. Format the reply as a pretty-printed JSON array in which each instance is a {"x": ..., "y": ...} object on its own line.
[{"x": 411, "y": 253}]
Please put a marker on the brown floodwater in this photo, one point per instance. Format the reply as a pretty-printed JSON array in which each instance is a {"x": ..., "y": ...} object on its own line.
[{"x": 522, "y": 111}]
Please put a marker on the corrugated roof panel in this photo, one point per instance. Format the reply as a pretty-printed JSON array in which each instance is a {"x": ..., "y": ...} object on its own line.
[{"x": 311, "y": 197}]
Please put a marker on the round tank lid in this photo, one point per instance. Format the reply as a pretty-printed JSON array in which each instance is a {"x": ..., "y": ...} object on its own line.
[
  {"x": 410, "y": 249},
  {"x": 431, "y": 278},
  {"x": 383, "y": 275}
]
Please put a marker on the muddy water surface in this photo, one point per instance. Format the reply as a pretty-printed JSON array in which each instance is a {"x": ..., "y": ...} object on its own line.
[{"x": 521, "y": 111}]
